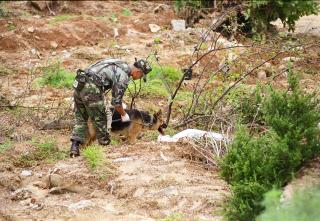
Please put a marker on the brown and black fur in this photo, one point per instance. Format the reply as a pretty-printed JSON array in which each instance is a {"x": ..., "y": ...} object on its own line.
[{"x": 139, "y": 121}]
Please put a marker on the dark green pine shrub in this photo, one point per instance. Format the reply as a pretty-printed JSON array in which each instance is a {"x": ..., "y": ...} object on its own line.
[
  {"x": 304, "y": 206},
  {"x": 257, "y": 162}
]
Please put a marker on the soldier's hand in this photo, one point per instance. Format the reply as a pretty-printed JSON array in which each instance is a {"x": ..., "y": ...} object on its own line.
[{"x": 125, "y": 118}]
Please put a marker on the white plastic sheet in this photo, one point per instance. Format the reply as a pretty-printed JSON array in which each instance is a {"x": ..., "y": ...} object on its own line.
[{"x": 193, "y": 134}]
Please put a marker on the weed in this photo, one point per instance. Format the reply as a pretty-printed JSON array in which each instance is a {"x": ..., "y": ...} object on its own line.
[
  {"x": 126, "y": 12},
  {"x": 60, "y": 18},
  {"x": 56, "y": 76},
  {"x": 157, "y": 41},
  {"x": 5, "y": 145},
  {"x": 173, "y": 217},
  {"x": 47, "y": 151},
  {"x": 114, "y": 141},
  {"x": 114, "y": 17},
  {"x": 160, "y": 83},
  {"x": 94, "y": 156},
  {"x": 97, "y": 161},
  {"x": 11, "y": 27}
]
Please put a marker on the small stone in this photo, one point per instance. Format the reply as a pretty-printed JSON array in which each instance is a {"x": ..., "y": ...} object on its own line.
[
  {"x": 287, "y": 59},
  {"x": 154, "y": 28},
  {"x": 53, "y": 44},
  {"x": 178, "y": 25},
  {"x": 262, "y": 75},
  {"x": 115, "y": 33},
  {"x": 31, "y": 29},
  {"x": 267, "y": 65},
  {"x": 26, "y": 173}
]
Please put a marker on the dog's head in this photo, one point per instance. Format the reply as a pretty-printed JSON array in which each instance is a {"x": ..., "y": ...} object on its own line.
[{"x": 159, "y": 122}]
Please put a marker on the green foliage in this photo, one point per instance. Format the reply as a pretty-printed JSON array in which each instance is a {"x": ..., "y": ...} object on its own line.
[
  {"x": 261, "y": 13},
  {"x": 11, "y": 26},
  {"x": 94, "y": 156},
  {"x": 194, "y": 4},
  {"x": 97, "y": 161},
  {"x": 126, "y": 12},
  {"x": 256, "y": 163},
  {"x": 54, "y": 75},
  {"x": 46, "y": 150},
  {"x": 5, "y": 145},
  {"x": 304, "y": 206},
  {"x": 3, "y": 12},
  {"x": 157, "y": 41},
  {"x": 160, "y": 82}
]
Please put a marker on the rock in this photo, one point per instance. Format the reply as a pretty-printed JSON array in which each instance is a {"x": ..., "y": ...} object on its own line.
[
  {"x": 115, "y": 33},
  {"x": 80, "y": 205},
  {"x": 53, "y": 44},
  {"x": 262, "y": 75},
  {"x": 26, "y": 173},
  {"x": 170, "y": 191},
  {"x": 20, "y": 194},
  {"x": 267, "y": 65},
  {"x": 154, "y": 28},
  {"x": 31, "y": 29},
  {"x": 178, "y": 25}
]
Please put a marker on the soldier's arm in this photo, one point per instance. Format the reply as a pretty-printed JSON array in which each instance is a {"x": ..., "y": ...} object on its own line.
[{"x": 120, "y": 84}]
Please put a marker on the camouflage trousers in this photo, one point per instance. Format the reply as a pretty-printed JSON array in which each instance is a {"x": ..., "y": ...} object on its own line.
[{"x": 89, "y": 102}]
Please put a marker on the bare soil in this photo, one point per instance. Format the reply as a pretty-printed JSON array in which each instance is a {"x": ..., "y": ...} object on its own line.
[{"x": 149, "y": 181}]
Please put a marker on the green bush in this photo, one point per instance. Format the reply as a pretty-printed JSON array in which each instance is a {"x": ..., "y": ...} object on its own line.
[
  {"x": 46, "y": 150},
  {"x": 94, "y": 156},
  {"x": 257, "y": 162},
  {"x": 160, "y": 83},
  {"x": 261, "y": 13},
  {"x": 54, "y": 75},
  {"x": 304, "y": 206}
]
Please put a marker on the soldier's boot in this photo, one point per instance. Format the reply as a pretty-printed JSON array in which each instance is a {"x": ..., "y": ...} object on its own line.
[
  {"x": 105, "y": 140},
  {"x": 74, "y": 150}
]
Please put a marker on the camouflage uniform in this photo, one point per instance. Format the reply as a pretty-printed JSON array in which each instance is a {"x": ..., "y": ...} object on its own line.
[{"x": 89, "y": 101}]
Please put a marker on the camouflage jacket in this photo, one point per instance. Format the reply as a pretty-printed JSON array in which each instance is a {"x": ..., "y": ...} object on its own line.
[{"x": 111, "y": 74}]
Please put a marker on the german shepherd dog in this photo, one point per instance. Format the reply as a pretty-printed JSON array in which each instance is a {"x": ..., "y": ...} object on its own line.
[{"x": 139, "y": 121}]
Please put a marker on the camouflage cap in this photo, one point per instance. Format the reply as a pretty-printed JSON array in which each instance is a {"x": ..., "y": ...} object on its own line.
[{"x": 144, "y": 66}]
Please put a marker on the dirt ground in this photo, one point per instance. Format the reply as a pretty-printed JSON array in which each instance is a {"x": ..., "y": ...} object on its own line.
[{"x": 150, "y": 181}]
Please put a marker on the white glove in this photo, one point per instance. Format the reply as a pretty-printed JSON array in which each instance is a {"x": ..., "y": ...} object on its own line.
[{"x": 125, "y": 118}]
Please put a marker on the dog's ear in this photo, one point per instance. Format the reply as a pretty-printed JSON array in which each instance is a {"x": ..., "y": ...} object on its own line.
[{"x": 158, "y": 114}]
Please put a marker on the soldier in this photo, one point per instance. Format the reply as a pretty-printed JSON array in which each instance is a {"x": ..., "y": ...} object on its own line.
[{"x": 89, "y": 88}]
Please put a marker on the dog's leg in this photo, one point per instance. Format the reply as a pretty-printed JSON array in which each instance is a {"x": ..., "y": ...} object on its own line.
[
  {"x": 133, "y": 132},
  {"x": 91, "y": 135}
]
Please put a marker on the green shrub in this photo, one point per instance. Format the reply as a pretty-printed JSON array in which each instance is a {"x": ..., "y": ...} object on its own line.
[
  {"x": 257, "y": 162},
  {"x": 46, "y": 150},
  {"x": 261, "y": 13},
  {"x": 5, "y": 145},
  {"x": 304, "y": 206},
  {"x": 126, "y": 12},
  {"x": 94, "y": 156},
  {"x": 54, "y": 75},
  {"x": 160, "y": 83}
]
